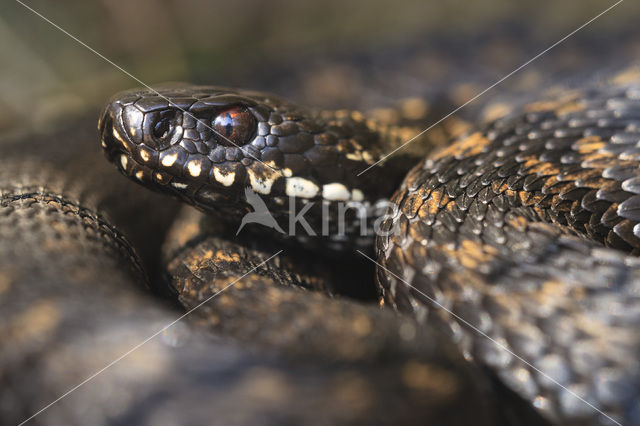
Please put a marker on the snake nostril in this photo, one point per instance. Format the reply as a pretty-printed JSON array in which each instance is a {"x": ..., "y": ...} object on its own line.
[{"x": 161, "y": 129}]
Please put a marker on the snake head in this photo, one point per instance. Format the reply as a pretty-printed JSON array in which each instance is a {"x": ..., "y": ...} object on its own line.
[{"x": 208, "y": 144}]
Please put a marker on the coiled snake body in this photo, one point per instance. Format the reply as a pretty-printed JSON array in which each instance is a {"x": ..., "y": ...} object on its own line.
[
  {"x": 519, "y": 237},
  {"x": 508, "y": 253}
]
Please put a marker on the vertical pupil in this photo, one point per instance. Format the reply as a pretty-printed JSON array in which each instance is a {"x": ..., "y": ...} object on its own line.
[{"x": 228, "y": 124}]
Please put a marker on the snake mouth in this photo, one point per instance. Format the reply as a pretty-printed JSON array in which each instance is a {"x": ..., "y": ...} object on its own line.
[
  {"x": 114, "y": 141},
  {"x": 119, "y": 147}
]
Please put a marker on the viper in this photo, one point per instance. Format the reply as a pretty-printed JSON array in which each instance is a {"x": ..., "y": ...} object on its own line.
[{"x": 516, "y": 237}]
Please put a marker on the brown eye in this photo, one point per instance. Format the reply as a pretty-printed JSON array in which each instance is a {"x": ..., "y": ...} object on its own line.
[{"x": 234, "y": 126}]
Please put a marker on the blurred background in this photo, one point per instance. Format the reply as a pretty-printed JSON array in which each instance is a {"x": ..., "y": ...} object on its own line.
[{"x": 269, "y": 45}]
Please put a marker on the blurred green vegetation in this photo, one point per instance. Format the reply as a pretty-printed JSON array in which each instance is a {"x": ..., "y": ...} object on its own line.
[{"x": 46, "y": 74}]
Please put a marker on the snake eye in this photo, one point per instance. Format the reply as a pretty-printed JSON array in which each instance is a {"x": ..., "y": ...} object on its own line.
[{"x": 234, "y": 126}]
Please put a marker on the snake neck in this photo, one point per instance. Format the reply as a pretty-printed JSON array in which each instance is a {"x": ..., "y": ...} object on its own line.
[{"x": 352, "y": 208}]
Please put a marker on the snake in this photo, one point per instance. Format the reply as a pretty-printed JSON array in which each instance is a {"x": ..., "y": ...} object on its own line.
[
  {"x": 74, "y": 297},
  {"x": 494, "y": 281},
  {"x": 519, "y": 237}
]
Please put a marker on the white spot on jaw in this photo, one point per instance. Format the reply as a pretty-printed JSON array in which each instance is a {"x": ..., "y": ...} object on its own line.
[
  {"x": 144, "y": 155},
  {"x": 168, "y": 160},
  {"x": 225, "y": 179},
  {"x": 194, "y": 167},
  {"x": 367, "y": 157},
  {"x": 300, "y": 187},
  {"x": 355, "y": 156},
  {"x": 179, "y": 185},
  {"x": 335, "y": 192},
  {"x": 124, "y": 161},
  {"x": 259, "y": 184},
  {"x": 357, "y": 195},
  {"x": 139, "y": 174},
  {"x": 118, "y": 136}
]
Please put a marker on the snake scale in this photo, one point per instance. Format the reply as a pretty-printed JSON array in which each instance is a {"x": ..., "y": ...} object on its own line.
[{"x": 509, "y": 258}]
